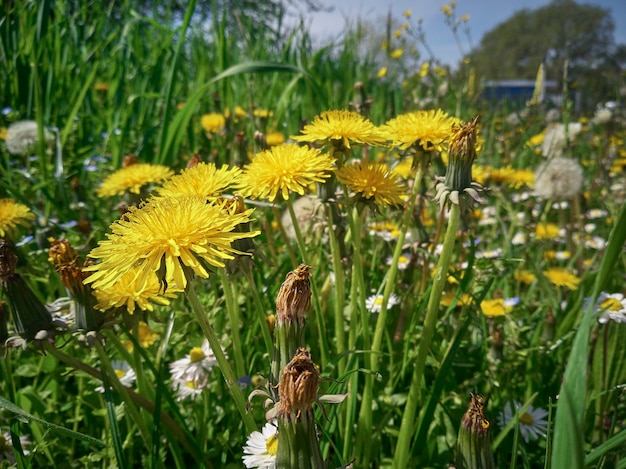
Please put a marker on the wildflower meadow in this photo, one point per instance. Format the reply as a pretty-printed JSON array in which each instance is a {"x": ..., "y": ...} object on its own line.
[{"x": 223, "y": 245}]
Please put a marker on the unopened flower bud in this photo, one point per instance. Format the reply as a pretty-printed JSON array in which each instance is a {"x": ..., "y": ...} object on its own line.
[{"x": 473, "y": 444}]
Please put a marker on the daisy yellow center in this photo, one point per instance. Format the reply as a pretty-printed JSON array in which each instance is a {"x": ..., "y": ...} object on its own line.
[
  {"x": 611, "y": 304},
  {"x": 378, "y": 301},
  {"x": 526, "y": 419},
  {"x": 403, "y": 259},
  {"x": 271, "y": 445},
  {"x": 191, "y": 384},
  {"x": 120, "y": 373},
  {"x": 196, "y": 355}
]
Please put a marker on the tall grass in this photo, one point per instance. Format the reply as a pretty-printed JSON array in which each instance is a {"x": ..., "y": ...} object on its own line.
[{"x": 111, "y": 81}]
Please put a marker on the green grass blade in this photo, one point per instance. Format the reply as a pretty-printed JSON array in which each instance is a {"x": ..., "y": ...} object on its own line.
[
  {"x": 568, "y": 449},
  {"x": 25, "y": 416}
]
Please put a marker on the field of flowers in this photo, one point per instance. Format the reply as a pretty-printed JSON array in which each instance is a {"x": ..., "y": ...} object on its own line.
[{"x": 224, "y": 249}]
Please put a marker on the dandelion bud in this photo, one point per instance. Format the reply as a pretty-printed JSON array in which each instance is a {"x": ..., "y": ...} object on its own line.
[
  {"x": 292, "y": 305},
  {"x": 69, "y": 266},
  {"x": 297, "y": 437},
  {"x": 294, "y": 298},
  {"x": 32, "y": 319},
  {"x": 473, "y": 444},
  {"x": 457, "y": 186}
]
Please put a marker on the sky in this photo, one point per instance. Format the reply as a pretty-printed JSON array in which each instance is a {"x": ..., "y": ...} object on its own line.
[{"x": 484, "y": 15}]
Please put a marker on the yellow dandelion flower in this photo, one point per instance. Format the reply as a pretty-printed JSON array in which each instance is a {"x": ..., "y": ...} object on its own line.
[
  {"x": 262, "y": 113},
  {"x": 12, "y": 214},
  {"x": 202, "y": 180},
  {"x": 101, "y": 86},
  {"x": 424, "y": 69},
  {"x": 536, "y": 140},
  {"x": 341, "y": 126},
  {"x": 407, "y": 13},
  {"x": 547, "y": 231},
  {"x": 274, "y": 137},
  {"x": 495, "y": 307},
  {"x": 561, "y": 277},
  {"x": 167, "y": 236},
  {"x": 213, "y": 122},
  {"x": 145, "y": 336},
  {"x": 524, "y": 276},
  {"x": 429, "y": 129},
  {"x": 398, "y": 32},
  {"x": 373, "y": 181},
  {"x": 404, "y": 168},
  {"x": 283, "y": 169},
  {"x": 448, "y": 297},
  {"x": 396, "y": 54},
  {"x": 382, "y": 72},
  {"x": 132, "y": 178},
  {"x": 128, "y": 292}
]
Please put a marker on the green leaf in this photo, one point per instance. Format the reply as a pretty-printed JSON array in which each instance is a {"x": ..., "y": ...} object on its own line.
[
  {"x": 23, "y": 415},
  {"x": 568, "y": 450}
]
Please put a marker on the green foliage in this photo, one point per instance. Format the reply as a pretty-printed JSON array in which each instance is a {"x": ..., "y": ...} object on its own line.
[{"x": 138, "y": 82}]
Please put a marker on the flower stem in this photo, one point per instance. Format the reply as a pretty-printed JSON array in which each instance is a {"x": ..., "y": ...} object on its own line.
[
  {"x": 235, "y": 321},
  {"x": 319, "y": 317},
  {"x": 339, "y": 289},
  {"x": 403, "y": 445},
  {"x": 227, "y": 371}
]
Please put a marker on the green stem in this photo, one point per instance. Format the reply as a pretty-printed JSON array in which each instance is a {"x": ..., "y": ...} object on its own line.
[
  {"x": 235, "y": 320},
  {"x": 403, "y": 445},
  {"x": 227, "y": 371},
  {"x": 315, "y": 297},
  {"x": 393, "y": 269},
  {"x": 365, "y": 413},
  {"x": 132, "y": 410},
  {"x": 340, "y": 336},
  {"x": 258, "y": 304}
]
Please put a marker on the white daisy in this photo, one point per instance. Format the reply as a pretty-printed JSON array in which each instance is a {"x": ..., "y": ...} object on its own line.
[
  {"x": 612, "y": 307},
  {"x": 195, "y": 366},
  {"x": 261, "y": 447},
  {"x": 532, "y": 423},
  {"x": 6, "y": 447},
  {"x": 124, "y": 373},
  {"x": 185, "y": 389},
  {"x": 374, "y": 302},
  {"x": 403, "y": 261},
  {"x": 519, "y": 239}
]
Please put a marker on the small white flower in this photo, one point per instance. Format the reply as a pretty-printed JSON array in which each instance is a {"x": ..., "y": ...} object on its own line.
[
  {"x": 489, "y": 254},
  {"x": 261, "y": 447},
  {"x": 596, "y": 213},
  {"x": 190, "y": 388},
  {"x": 195, "y": 366},
  {"x": 595, "y": 242},
  {"x": 403, "y": 261},
  {"x": 6, "y": 447},
  {"x": 590, "y": 227},
  {"x": 532, "y": 423},
  {"x": 519, "y": 239},
  {"x": 124, "y": 373},
  {"x": 374, "y": 302},
  {"x": 612, "y": 307}
]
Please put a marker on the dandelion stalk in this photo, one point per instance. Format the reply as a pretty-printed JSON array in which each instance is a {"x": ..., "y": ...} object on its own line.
[
  {"x": 227, "y": 371},
  {"x": 408, "y": 417},
  {"x": 365, "y": 414},
  {"x": 235, "y": 320},
  {"x": 458, "y": 189},
  {"x": 319, "y": 318}
]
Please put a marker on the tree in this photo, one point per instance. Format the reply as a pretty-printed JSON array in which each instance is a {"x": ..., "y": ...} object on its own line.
[{"x": 561, "y": 31}]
